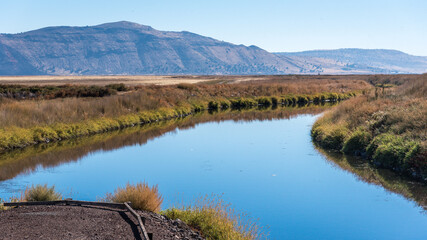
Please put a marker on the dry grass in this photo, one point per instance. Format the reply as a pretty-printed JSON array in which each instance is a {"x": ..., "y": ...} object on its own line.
[
  {"x": 141, "y": 196},
  {"x": 191, "y": 79},
  {"x": 217, "y": 220},
  {"x": 29, "y": 122},
  {"x": 27, "y": 114},
  {"x": 388, "y": 125},
  {"x": 99, "y": 80},
  {"x": 40, "y": 193},
  {"x": 53, "y": 154}
]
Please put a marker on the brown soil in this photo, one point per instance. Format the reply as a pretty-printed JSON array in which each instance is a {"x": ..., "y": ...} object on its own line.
[{"x": 78, "y": 222}]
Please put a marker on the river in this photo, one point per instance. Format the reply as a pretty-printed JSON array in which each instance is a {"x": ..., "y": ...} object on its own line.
[{"x": 264, "y": 166}]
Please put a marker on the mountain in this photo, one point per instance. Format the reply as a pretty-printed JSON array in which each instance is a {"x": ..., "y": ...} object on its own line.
[
  {"x": 357, "y": 61},
  {"x": 126, "y": 48}
]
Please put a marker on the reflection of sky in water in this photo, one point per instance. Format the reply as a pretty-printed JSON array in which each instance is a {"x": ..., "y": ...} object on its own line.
[{"x": 269, "y": 169}]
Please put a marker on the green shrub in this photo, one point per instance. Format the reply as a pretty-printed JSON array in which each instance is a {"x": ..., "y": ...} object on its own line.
[
  {"x": 41, "y": 193},
  {"x": 213, "y": 105},
  {"x": 117, "y": 86},
  {"x": 44, "y": 134},
  {"x": 330, "y": 136},
  {"x": 357, "y": 142},
  {"x": 242, "y": 103},
  {"x": 302, "y": 99},
  {"x": 274, "y": 101},
  {"x": 140, "y": 195},
  {"x": 392, "y": 151},
  {"x": 225, "y": 104},
  {"x": 264, "y": 101}
]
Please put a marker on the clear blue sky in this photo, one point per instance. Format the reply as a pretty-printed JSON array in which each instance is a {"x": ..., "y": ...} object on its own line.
[{"x": 287, "y": 25}]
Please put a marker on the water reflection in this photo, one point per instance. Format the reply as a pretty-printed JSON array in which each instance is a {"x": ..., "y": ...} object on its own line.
[
  {"x": 27, "y": 160},
  {"x": 382, "y": 177},
  {"x": 268, "y": 169}
]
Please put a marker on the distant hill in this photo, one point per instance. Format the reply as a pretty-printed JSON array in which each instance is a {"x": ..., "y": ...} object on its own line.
[
  {"x": 129, "y": 48},
  {"x": 126, "y": 48},
  {"x": 358, "y": 61}
]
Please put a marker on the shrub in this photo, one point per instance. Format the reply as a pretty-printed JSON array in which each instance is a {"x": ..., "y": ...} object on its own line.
[
  {"x": 274, "y": 101},
  {"x": 41, "y": 193},
  {"x": 357, "y": 142},
  {"x": 392, "y": 151},
  {"x": 329, "y": 136},
  {"x": 302, "y": 99},
  {"x": 186, "y": 86},
  {"x": 117, "y": 86},
  {"x": 213, "y": 105},
  {"x": 140, "y": 195},
  {"x": 216, "y": 220},
  {"x": 264, "y": 101},
  {"x": 225, "y": 104}
]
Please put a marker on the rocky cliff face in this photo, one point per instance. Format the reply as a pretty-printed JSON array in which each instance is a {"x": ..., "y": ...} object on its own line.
[{"x": 129, "y": 48}]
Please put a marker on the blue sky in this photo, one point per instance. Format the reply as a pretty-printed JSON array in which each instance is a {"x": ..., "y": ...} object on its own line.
[{"x": 270, "y": 24}]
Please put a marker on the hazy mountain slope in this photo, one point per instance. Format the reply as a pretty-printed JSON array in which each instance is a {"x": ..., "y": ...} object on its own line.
[
  {"x": 129, "y": 48},
  {"x": 125, "y": 48},
  {"x": 358, "y": 61}
]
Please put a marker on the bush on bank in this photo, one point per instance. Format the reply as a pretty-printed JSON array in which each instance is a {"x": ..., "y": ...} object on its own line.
[
  {"x": 388, "y": 130},
  {"x": 141, "y": 196},
  {"x": 40, "y": 193}
]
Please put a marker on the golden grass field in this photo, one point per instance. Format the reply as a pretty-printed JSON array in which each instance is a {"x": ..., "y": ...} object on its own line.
[{"x": 171, "y": 80}]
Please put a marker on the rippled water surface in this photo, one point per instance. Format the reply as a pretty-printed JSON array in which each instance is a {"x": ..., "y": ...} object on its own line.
[{"x": 268, "y": 168}]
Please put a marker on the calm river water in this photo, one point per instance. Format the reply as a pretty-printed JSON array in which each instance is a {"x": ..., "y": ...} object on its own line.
[{"x": 269, "y": 169}]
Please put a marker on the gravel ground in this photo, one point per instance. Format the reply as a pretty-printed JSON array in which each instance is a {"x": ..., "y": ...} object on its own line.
[{"x": 80, "y": 222}]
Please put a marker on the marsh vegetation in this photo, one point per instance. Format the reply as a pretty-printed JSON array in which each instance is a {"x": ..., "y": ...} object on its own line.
[
  {"x": 386, "y": 125},
  {"x": 28, "y": 122}
]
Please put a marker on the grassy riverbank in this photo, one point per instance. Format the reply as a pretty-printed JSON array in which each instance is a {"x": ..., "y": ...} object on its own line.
[
  {"x": 210, "y": 216},
  {"x": 28, "y": 122},
  {"x": 387, "y": 126}
]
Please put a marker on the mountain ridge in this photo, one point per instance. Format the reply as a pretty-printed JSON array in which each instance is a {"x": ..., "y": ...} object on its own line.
[
  {"x": 357, "y": 60},
  {"x": 127, "y": 48}
]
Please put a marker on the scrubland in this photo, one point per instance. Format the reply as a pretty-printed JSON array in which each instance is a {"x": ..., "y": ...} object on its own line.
[{"x": 387, "y": 126}]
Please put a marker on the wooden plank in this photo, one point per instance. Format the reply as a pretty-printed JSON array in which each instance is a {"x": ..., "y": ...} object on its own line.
[
  {"x": 99, "y": 204},
  {"x": 11, "y": 204},
  {"x": 141, "y": 225},
  {"x": 68, "y": 202}
]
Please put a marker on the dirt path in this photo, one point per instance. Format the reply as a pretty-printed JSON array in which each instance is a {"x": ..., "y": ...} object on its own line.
[{"x": 77, "y": 222}]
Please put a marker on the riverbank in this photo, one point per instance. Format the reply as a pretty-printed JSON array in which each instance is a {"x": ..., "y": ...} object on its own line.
[
  {"x": 29, "y": 122},
  {"x": 387, "y": 127},
  {"x": 79, "y": 222}
]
